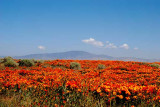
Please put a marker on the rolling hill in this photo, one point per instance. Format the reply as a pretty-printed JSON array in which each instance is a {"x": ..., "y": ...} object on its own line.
[{"x": 81, "y": 55}]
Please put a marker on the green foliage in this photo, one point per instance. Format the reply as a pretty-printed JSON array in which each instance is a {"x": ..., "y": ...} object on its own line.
[
  {"x": 101, "y": 66},
  {"x": 155, "y": 65},
  {"x": 1, "y": 60},
  {"x": 26, "y": 62},
  {"x": 9, "y": 62},
  {"x": 39, "y": 61},
  {"x": 5, "y": 59},
  {"x": 75, "y": 65}
]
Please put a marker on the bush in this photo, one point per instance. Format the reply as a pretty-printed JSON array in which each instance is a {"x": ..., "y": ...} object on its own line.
[
  {"x": 101, "y": 66},
  {"x": 9, "y": 62},
  {"x": 26, "y": 62},
  {"x": 39, "y": 61},
  {"x": 8, "y": 58},
  {"x": 1, "y": 60},
  {"x": 75, "y": 65},
  {"x": 155, "y": 65}
]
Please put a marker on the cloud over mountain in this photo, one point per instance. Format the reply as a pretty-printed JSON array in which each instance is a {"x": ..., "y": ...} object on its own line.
[
  {"x": 41, "y": 47},
  {"x": 93, "y": 42},
  {"x": 108, "y": 44},
  {"x": 124, "y": 46}
]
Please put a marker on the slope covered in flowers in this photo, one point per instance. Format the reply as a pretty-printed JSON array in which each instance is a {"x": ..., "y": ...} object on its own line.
[{"x": 53, "y": 83}]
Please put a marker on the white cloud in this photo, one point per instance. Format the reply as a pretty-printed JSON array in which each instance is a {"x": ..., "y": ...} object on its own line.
[
  {"x": 135, "y": 48},
  {"x": 110, "y": 45},
  {"x": 41, "y": 47},
  {"x": 125, "y": 46},
  {"x": 93, "y": 42}
]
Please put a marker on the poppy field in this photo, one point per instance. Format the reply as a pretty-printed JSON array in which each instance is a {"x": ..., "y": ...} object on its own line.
[{"x": 97, "y": 83}]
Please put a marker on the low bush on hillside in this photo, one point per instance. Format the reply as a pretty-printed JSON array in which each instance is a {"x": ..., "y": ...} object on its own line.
[
  {"x": 9, "y": 62},
  {"x": 75, "y": 65},
  {"x": 26, "y": 62},
  {"x": 39, "y": 61},
  {"x": 5, "y": 59},
  {"x": 155, "y": 65},
  {"x": 101, "y": 66},
  {"x": 1, "y": 60}
]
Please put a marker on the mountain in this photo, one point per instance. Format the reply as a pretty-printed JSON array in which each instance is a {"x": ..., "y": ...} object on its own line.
[{"x": 81, "y": 55}]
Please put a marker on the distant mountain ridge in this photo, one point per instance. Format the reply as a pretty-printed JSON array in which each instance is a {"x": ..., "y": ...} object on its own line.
[{"x": 81, "y": 55}]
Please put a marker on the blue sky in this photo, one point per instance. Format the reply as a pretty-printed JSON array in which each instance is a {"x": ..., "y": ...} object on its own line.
[{"x": 111, "y": 27}]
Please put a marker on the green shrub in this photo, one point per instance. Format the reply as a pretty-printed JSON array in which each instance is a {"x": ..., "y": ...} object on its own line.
[
  {"x": 9, "y": 62},
  {"x": 75, "y": 65},
  {"x": 101, "y": 66},
  {"x": 39, "y": 61},
  {"x": 155, "y": 65},
  {"x": 8, "y": 58},
  {"x": 1, "y": 60},
  {"x": 26, "y": 62}
]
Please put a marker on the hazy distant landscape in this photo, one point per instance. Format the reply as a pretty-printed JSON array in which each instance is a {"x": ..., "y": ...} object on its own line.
[{"x": 81, "y": 55}]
